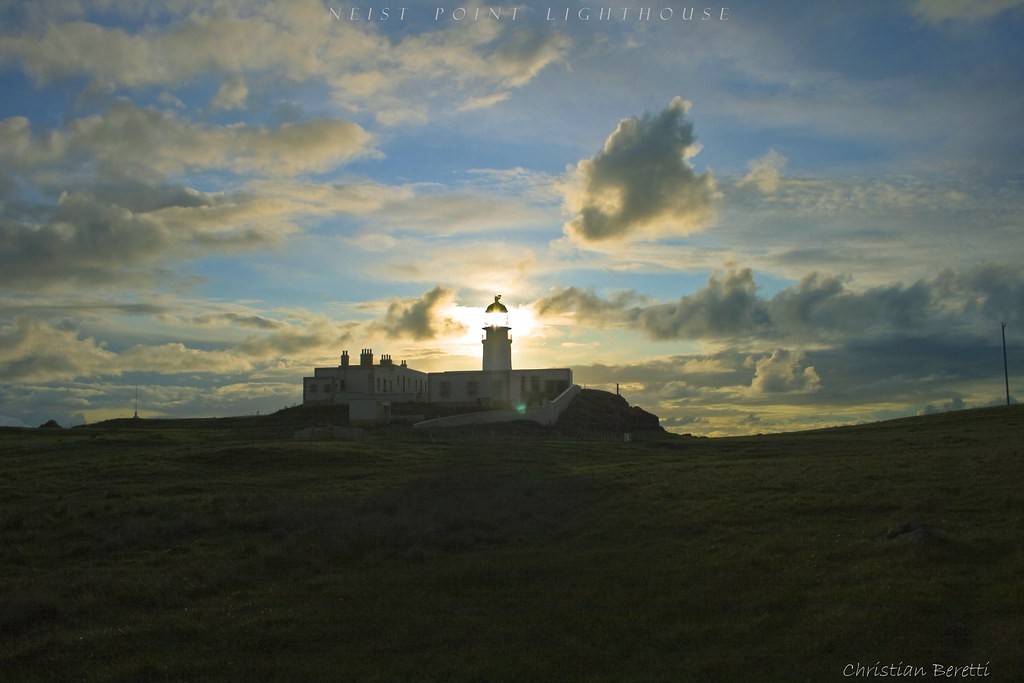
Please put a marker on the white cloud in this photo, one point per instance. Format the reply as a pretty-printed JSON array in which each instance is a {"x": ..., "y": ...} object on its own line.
[
  {"x": 641, "y": 184},
  {"x": 784, "y": 371},
  {"x": 765, "y": 173},
  {"x": 19, "y": 148},
  {"x": 484, "y": 102},
  {"x": 217, "y": 41},
  {"x": 128, "y": 137},
  {"x": 426, "y": 317},
  {"x": 585, "y": 307},
  {"x": 231, "y": 94},
  {"x": 363, "y": 69},
  {"x": 33, "y": 349},
  {"x": 96, "y": 240}
]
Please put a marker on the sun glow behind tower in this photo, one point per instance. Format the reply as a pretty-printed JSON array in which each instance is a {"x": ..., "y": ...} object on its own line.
[
  {"x": 497, "y": 351},
  {"x": 471, "y": 319}
]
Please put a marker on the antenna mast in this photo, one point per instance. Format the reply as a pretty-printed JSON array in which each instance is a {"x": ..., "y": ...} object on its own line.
[{"x": 1006, "y": 371}]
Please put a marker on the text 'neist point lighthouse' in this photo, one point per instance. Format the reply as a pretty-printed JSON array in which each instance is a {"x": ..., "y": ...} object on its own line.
[{"x": 497, "y": 344}]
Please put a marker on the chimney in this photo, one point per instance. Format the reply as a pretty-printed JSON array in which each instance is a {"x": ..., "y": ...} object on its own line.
[
  {"x": 344, "y": 359},
  {"x": 366, "y": 358},
  {"x": 404, "y": 365},
  {"x": 385, "y": 360}
]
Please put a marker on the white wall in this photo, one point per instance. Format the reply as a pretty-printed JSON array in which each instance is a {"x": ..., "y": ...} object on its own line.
[
  {"x": 509, "y": 385},
  {"x": 340, "y": 385},
  {"x": 546, "y": 414}
]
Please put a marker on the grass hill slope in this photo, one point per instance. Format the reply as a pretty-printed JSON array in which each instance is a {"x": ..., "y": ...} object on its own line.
[{"x": 213, "y": 550}]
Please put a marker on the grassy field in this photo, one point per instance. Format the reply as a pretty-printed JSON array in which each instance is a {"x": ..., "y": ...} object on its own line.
[{"x": 196, "y": 550}]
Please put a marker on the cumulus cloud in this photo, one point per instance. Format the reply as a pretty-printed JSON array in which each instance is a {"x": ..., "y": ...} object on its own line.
[
  {"x": 20, "y": 149},
  {"x": 33, "y": 349},
  {"x": 782, "y": 372},
  {"x": 728, "y": 305},
  {"x": 990, "y": 291},
  {"x": 231, "y": 94},
  {"x": 765, "y": 173},
  {"x": 821, "y": 304},
  {"x": 120, "y": 231},
  {"x": 84, "y": 240},
  {"x": 422, "y": 318},
  {"x": 641, "y": 184},
  {"x": 819, "y": 308},
  {"x": 817, "y": 351},
  {"x": 587, "y": 308}
]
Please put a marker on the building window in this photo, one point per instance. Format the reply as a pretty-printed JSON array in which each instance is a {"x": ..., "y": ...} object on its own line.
[
  {"x": 553, "y": 387},
  {"x": 472, "y": 388},
  {"x": 313, "y": 388},
  {"x": 445, "y": 389}
]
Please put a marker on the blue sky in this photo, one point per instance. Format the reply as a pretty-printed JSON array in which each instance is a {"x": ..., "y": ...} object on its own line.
[{"x": 805, "y": 214}]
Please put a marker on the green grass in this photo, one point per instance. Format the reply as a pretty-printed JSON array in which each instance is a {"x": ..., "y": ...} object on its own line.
[{"x": 213, "y": 550}]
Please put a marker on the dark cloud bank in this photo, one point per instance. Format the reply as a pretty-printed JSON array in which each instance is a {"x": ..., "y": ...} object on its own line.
[{"x": 820, "y": 341}]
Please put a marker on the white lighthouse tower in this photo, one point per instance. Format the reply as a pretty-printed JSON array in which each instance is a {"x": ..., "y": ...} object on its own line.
[{"x": 497, "y": 344}]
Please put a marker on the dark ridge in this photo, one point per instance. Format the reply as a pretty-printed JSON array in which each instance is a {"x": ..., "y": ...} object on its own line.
[
  {"x": 591, "y": 411},
  {"x": 595, "y": 410}
]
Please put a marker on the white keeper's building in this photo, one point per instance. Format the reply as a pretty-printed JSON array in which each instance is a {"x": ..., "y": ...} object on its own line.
[{"x": 496, "y": 384}]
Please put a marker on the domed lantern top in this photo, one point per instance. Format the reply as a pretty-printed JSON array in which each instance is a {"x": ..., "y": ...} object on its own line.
[
  {"x": 497, "y": 306},
  {"x": 496, "y": 315}
]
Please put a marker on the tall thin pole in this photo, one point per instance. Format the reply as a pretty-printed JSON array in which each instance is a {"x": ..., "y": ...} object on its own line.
[{"x": 1006, "y": 370}]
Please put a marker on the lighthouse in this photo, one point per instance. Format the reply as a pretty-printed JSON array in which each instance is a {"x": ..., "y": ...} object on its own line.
[
  {"x": 497, "y": 344},
  {"x": 369, "y": 388}
]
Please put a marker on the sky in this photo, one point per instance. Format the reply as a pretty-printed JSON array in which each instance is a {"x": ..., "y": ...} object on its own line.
[{"x": 751, "y": 217}]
